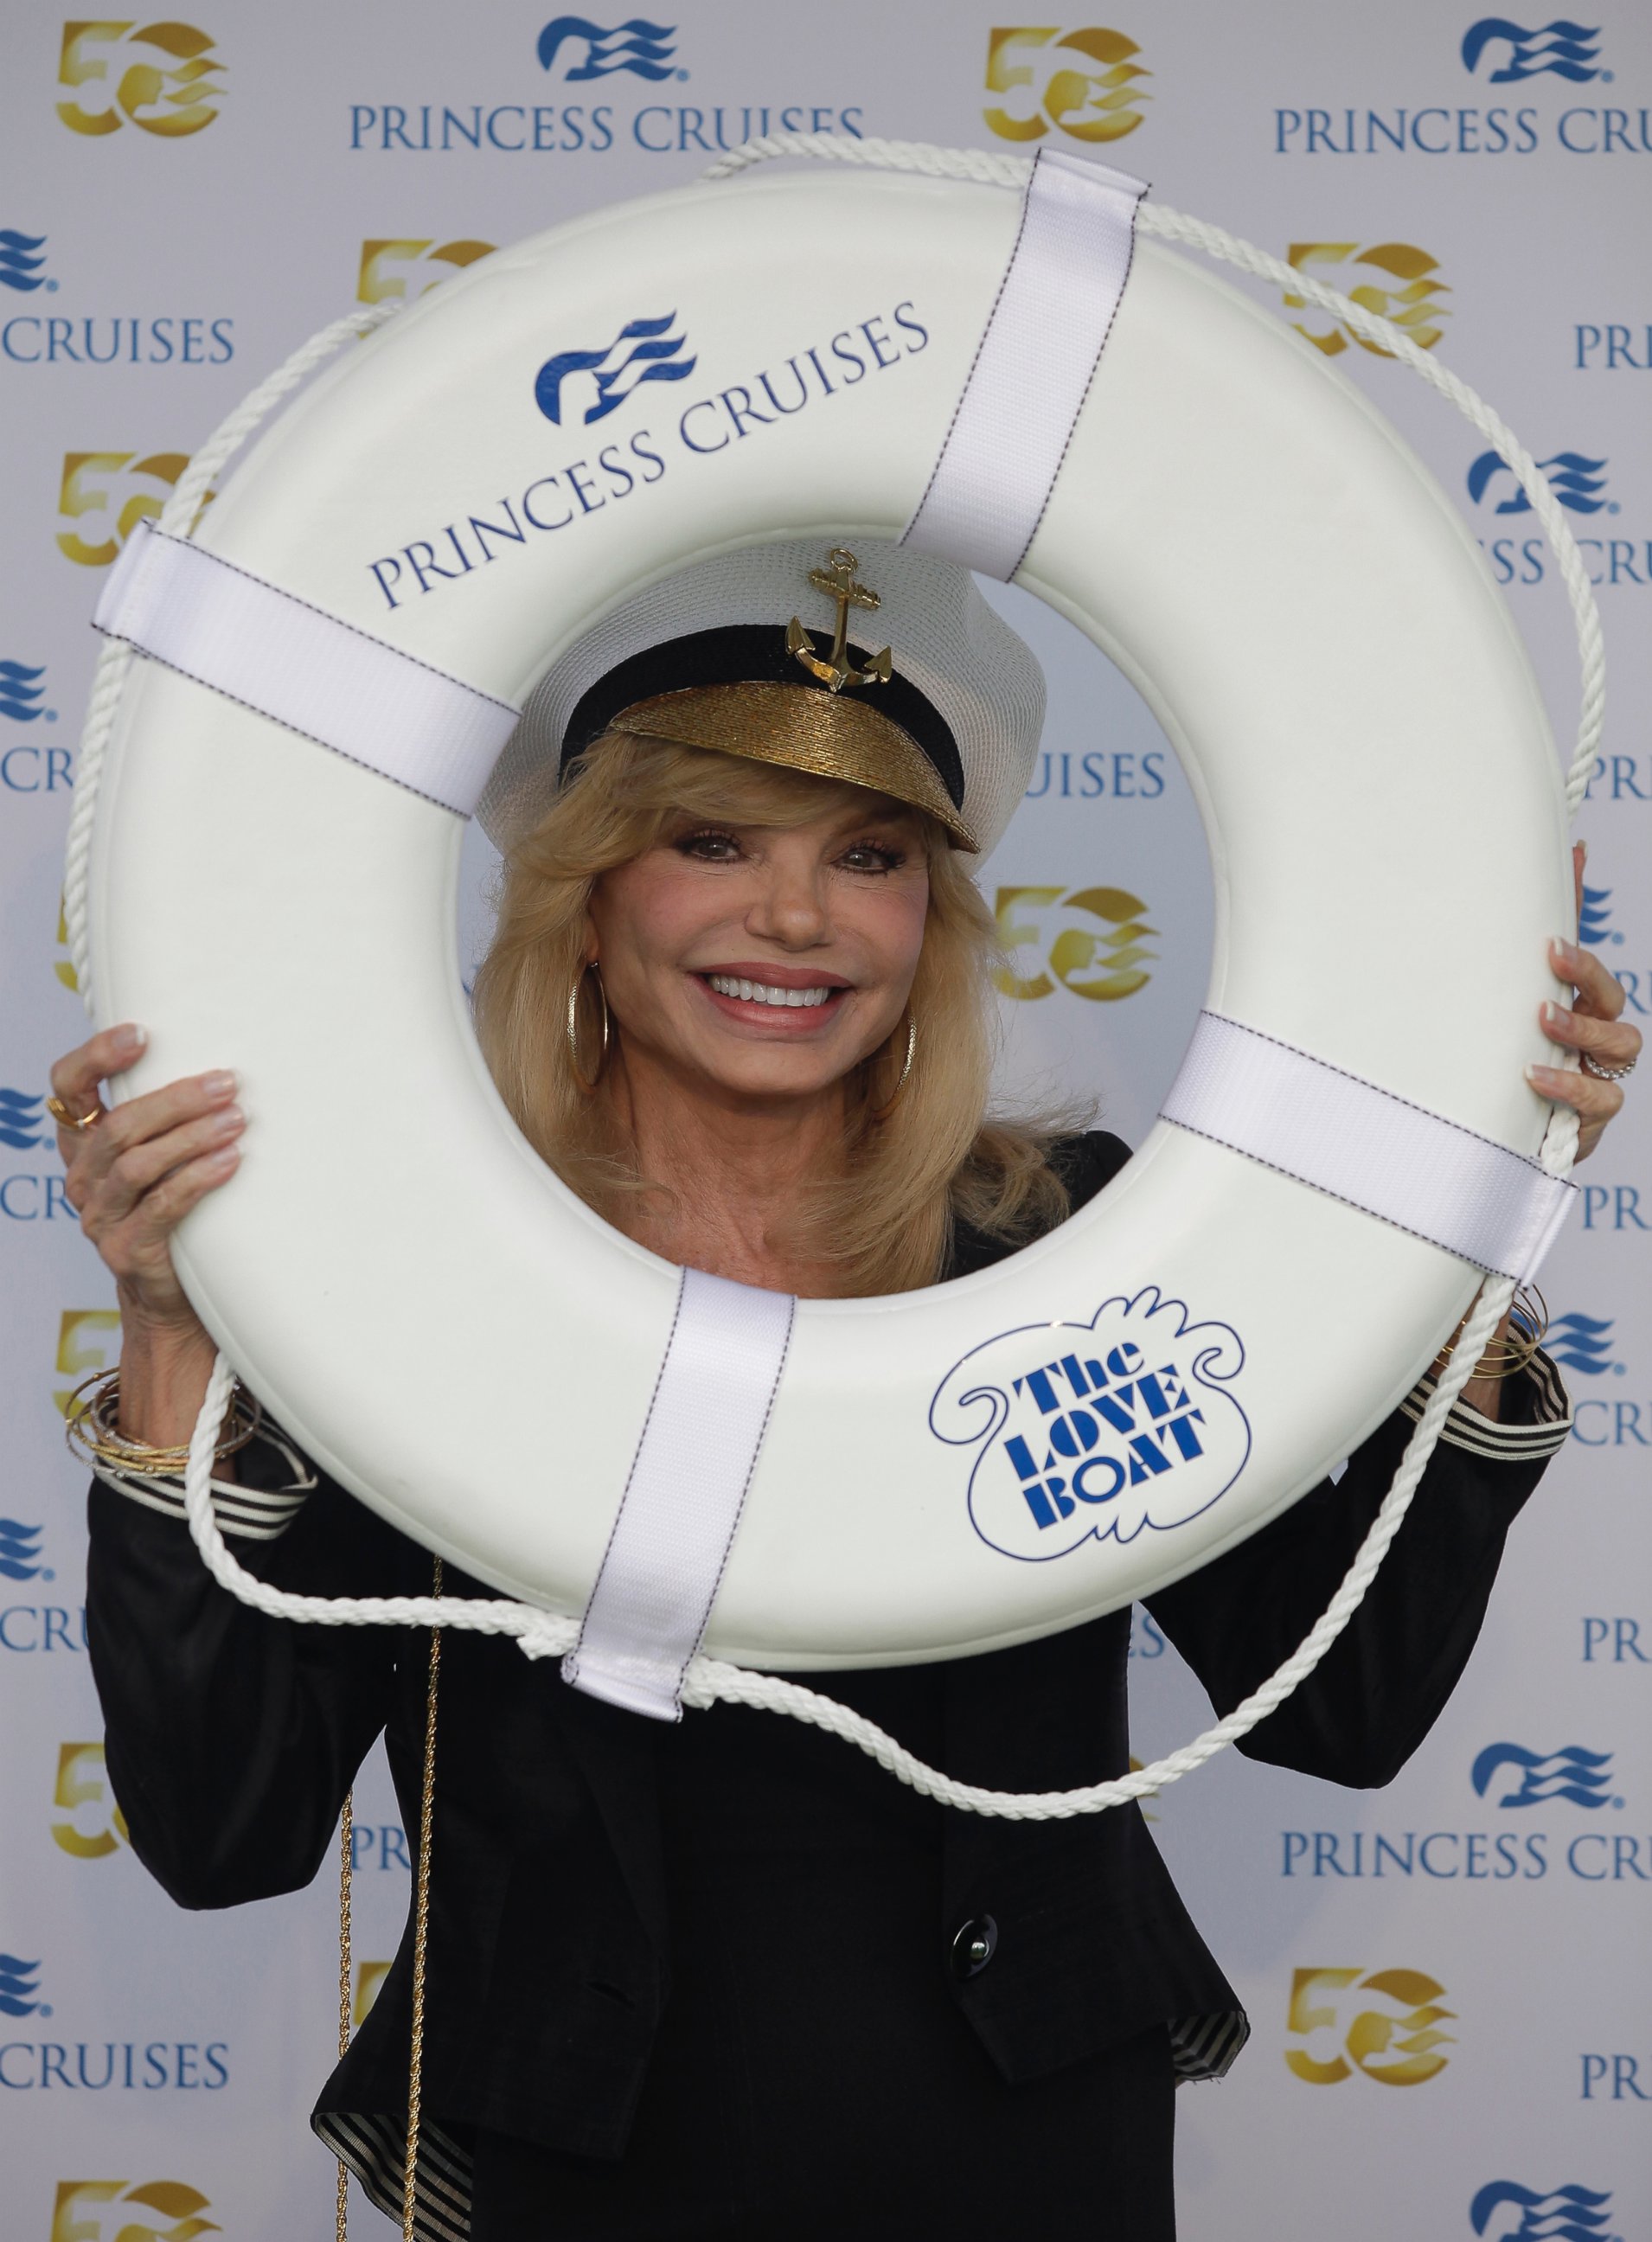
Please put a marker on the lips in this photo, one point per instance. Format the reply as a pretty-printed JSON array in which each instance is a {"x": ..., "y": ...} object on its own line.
[{"x": 785, "y": 998}]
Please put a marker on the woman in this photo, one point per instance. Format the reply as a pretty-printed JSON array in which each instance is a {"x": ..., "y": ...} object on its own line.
[{"x": 727, "y": 1979}]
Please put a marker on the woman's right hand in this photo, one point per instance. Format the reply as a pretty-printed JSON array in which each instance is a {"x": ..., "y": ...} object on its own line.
[{"x": 136, "y": 1172}]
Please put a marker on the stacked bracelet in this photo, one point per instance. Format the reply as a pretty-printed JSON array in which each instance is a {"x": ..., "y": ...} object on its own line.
[
  {"x": 94, "y": 1406},
  {"x": 1508, "y": 1354}
]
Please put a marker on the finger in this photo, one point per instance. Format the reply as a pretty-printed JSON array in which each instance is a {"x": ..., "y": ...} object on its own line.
[
  {"x": 1615, "y": 1043},
  {"x": 1589, "y": 1097},
  {"x": 76, "y": 1075},
  {"x": 143, "y": 1166},
  {"x": 1601, "y": 992},
  {"x": 1579, "y": 857},
  {"x": 143, "y": 1237},
  {"x": 152, "y": 1115}
]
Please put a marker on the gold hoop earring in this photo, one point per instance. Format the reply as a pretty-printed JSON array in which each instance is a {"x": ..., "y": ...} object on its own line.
[
  {"x": 882, "y": 1113},
  {"x": 587, "y": 1083}
]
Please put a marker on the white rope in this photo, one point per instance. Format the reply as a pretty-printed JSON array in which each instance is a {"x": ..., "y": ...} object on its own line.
[
  {"x": 710, "y": 1681},
  {"x": 178, "y": 516}
]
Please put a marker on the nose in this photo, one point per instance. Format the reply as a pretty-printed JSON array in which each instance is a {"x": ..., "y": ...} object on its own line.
[{"x": 790, "y": 906}]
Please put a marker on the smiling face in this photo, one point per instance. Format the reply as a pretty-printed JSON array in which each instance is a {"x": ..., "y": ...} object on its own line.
[{"x": 763, "y": 962}]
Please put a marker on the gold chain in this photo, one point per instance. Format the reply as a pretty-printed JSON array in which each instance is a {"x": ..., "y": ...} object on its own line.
[
  {"x": 421, "y": 1932},
  {"x": 346, "y": 1864}
]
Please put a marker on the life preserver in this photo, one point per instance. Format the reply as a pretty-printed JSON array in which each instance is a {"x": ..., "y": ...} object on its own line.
[{"x": 442, "y": 1325}]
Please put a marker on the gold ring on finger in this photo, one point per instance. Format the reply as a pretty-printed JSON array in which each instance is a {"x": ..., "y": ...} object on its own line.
[{"x": 60, "y": 1112}]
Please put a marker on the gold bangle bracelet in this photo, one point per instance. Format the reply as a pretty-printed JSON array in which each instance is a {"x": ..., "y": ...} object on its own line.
[
  {"x": 1507, "y": 1355},
  {"x": 87, "y": 1426}
]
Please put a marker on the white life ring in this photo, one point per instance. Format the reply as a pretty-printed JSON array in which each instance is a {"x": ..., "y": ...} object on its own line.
[{"x": 438, "y": 1320}]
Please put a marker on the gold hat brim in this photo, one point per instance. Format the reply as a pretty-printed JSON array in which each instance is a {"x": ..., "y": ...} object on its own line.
[{"x": 801, "y": 727}]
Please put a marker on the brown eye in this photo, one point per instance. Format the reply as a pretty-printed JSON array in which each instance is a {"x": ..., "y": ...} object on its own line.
[
  {"x": 872, "y": 857},
  {"x": 710, "y": 845}
]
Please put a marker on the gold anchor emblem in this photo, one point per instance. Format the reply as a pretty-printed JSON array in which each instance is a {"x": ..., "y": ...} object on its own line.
[{"x": 838, "y": 583}]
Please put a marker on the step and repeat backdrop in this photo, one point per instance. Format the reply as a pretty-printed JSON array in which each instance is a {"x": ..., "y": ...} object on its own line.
[{"x": 1448, "y": 1979}]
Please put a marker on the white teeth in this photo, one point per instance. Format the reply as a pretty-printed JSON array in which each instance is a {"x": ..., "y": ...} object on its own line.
[{"x": 760, "y": 993}]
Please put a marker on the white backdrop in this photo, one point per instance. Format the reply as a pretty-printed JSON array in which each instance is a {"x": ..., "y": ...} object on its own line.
[{"x": 181, "y": 205}]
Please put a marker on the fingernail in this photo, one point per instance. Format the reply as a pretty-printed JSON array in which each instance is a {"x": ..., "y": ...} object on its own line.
[
  {"x": 1569, "y": 957},
  {"x": 226, "y": 1123},
  {"x": 226, "y": 1159},
  {"x": 131, "y": 1036},
  {"x": 217, "y": 1086},
  {"x": 1582, "y": 852},
  {"x": 1544, "y": 1077},
  {"x": 1556, "y": 1016}
]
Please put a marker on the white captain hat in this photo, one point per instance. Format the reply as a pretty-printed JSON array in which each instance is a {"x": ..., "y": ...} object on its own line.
[{"x": 877, "y": 665}]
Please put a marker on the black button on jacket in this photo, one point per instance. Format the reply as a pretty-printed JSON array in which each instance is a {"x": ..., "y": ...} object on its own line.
[{"x": 232, "y": 1739}]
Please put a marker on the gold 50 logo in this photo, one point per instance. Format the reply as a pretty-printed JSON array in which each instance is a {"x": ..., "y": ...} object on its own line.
[
  {"x": 100, "y": 482},
  {"x": 112, "y": 2211},
  {"x": 370, "y": 1976},
  {"x": 1397, "y": 2043},
  {"x": 1090, "y": 940},
  {"x": 1082, "y": 83},
  {"x": 1408, "y": 297},
  {"x": 402, "y": 269},
  {"x": 96, "y": 1827},
  {"x": 88, "y": 1341},
  {"x": 160, "y": 78}
]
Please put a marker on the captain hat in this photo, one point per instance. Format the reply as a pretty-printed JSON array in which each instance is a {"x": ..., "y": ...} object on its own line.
[{"x": 933, "y": 699}]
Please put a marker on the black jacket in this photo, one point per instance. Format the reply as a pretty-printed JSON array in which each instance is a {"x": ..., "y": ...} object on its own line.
[{"x": 232, "y": 1739}]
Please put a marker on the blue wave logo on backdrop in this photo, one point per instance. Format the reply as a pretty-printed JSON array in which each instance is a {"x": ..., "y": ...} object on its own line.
[
  {"x": 1579, "y": 1776},
  {"x": 20, "y": 1550},
  {"x": 1579, "y": 483},
  {"x": 20, "y": 260},
  {"x": 1583, "y": 1343},
  {"x": 19, "y": 1983},
  {"x": 1594, "y": 919},
  {"x": 643, "y": 350},
  {"x": 1561, "y": 49},
  {"x": 637, "y": 46},
  {"x": 1565, "y": 2215},
  {"x": 23, "y": 1123},
  {"x": 21, "y": 691}
]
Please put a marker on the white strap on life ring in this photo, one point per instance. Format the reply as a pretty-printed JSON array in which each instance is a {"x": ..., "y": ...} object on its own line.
[
  {"x": 1043, "y": 342},
  {"x": 1362, "y": 1144}
]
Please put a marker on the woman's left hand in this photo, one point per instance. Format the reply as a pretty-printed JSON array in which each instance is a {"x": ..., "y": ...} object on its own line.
[{"x": 1592, "y": 1026}]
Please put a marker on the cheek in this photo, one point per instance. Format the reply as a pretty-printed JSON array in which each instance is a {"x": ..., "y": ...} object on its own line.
[
  {"x": 890, "y": 930},
  {"x": 647, "y": 913}
]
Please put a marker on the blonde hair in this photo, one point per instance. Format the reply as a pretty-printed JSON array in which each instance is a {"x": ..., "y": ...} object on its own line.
[{"x": 934, "y": 1162}]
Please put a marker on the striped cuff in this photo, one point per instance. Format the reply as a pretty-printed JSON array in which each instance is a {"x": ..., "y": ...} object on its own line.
[
  {"x": 245, "y": 1513},
  {"x": 374, "y": 2145},
  {"x": 1204, "y": 2047},
  {"x": 1543, "y": 1432}
]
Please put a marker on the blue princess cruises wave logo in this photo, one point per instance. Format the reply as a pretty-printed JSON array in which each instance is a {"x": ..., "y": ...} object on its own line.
[
  {"x": 1579, "y": 483},
  {"x": 22, "y": 1119},
  {"x": 20, "y": 1551},
  {"x": 644, "y": 350},
  {"x": 637, "y": 46},
  {"x": 1562, "y": 50},
  {"x": 1095, "y": 1429},
  {"x": 1583, "y": 1778},
  {"x": 21, "y": 692},
  {"x": 20, "y": 1988},
  {"x": 21, "y": 261},
  {"x": 1583, "y": 1343},
  {"x": 1505, "y": 2211}
]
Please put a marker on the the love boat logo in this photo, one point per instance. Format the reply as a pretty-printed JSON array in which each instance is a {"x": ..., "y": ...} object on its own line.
[{"x": 1095, "y": 1429}]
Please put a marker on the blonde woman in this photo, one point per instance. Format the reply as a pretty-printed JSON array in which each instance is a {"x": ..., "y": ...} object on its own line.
[{"x": 726, "y": 1979}]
